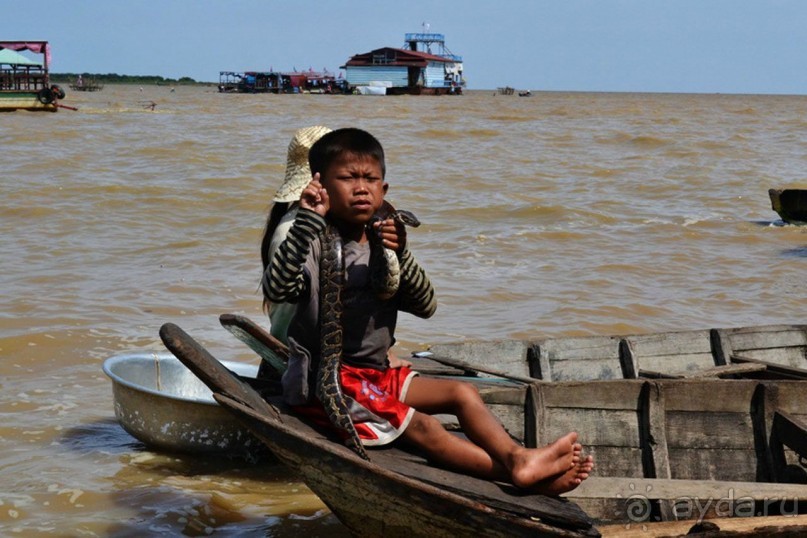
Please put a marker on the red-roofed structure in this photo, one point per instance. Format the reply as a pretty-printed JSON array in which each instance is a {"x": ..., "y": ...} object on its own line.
[{"x": 394, "y": 71}]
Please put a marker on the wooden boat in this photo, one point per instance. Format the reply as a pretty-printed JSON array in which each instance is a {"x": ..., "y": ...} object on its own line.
[
  {"x": 24, "y": 83},
  {"x": 666, "y": 450},
  {"x": 161, "y": 403},
  {"x": 395, "y": 494},
  {"x": 790, "y": 204},
  {"x": 82, "y": 84},
  {"x": 762, "y": 352}
]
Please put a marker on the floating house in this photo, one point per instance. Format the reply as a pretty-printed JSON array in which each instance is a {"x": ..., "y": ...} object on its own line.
[
  {"x": 25, "y": 83},
  {"x": 415, "y": 69},
  {"x": 281, "y": 82}
]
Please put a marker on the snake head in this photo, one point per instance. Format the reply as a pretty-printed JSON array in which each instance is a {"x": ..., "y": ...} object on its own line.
[{"x": 388, "y": 211}]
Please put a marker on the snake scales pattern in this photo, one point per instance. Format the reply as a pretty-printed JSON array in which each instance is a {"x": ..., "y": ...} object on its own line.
[
  {"x": 329, "y": 386},
  {"x": 331, "y": 275},
  {"x": 385, "y": 270}
]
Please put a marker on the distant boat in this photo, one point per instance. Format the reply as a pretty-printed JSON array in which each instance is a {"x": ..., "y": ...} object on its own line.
[
  {"x": 86, "y": 85},
  {"x": 24, "y": 83},
  {"x": 790, "y": 204}
]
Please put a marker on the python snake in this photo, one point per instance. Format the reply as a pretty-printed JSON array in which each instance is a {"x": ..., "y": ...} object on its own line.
[
  {"x": 329, "y": 385},
  {"x": 385, "y": 269},
  {"x": 331, "y": 279}
]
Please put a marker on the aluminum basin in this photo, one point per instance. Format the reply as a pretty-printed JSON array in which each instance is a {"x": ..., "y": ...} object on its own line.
[{"x": 163, "y": 404}]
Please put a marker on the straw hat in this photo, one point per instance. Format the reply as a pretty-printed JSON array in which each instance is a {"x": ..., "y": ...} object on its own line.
[{"x": 298, "y": 173}]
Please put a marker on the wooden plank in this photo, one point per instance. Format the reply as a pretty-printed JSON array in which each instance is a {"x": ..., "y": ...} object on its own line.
[
  {"x": 651, "y": 374},
  {"x": 499, "y": 355},
  {"x": 628, "y": 361},
  {"x": 710, "y": 395},
  {"x": 624, "y": 487},
  {"x": 671, "y": 344},
  {"x": 699, "y": 430},
  {"x": 734, "y": 526},
  {"x": 713, "y": 464},
  {"x": 607, "y": 427},
  {"x": 653, "y": 432},
  {"x": 614, "y": 460},
  {"x": 780, "y": 344},
  {"x": 763, "y": 404},
  {"x": 588, "y": 370},
  {"x": 727, "y": 370},
  {"x": 653, "y": 439},
  {"x": 775, "y": 370},
  {"x": 534, "y": 418},
  {"x": 622, "y": 394},
  {"x": 475, "y": 369},
  {"x": 767, "y": 337},
  {"x": 575, "y": 358},
  {"x": 273, "y": 352},
  {"x": 789, "y": 357},
  {"x": 791, "y": 397},
  {"x": 684, "y": 363}
]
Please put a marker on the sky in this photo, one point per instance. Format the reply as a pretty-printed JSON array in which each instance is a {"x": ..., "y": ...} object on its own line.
[{"x": 682, "y": 46}]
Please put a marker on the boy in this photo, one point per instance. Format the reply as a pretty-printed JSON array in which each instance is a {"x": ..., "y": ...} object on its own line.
[{"x": 385, "y": 397}]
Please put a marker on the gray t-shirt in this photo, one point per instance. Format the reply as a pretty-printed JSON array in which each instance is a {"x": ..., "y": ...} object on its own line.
[{"x": 368, "y": 323}]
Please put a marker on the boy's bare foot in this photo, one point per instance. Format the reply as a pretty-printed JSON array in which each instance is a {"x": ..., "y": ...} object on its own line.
[
  {"x": 565, "y": 482},
  {"x": 531, "y": 465}
]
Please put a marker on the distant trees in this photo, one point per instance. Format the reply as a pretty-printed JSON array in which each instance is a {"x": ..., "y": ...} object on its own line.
[{"x": 114, "y": 78}]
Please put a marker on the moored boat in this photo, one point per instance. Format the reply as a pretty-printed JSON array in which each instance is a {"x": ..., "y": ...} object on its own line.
[
  {"x": 25, "y": 83},
  {"x": 81, "y": 84},
  {"x": 790, "y": 204},
  {"x": 760, "y": 352}
]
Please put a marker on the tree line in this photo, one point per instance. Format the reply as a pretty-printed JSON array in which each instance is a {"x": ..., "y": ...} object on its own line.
[{"x": 114, "y": 78}]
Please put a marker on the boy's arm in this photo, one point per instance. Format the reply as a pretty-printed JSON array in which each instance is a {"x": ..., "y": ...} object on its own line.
[
  {"x": 415, "y": 292},
  {"x": 284, "y": 280}
]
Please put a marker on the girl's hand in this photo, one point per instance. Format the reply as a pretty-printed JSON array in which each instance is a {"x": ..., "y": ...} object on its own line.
[
  {"x": 393, "y": 234},
  {"x": 315, "y": 197}
]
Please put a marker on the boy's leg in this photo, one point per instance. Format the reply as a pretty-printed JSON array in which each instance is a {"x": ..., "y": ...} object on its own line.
[
  {"x": 524, "y": 467},
  {"x": 450, "y": 451}
]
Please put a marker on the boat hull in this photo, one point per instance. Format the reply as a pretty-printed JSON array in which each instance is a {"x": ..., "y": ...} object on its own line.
[
  {"x": 23, "y": 100},
  {"x": 790, "y": 204},
  {"x": 373, "y": 501}
]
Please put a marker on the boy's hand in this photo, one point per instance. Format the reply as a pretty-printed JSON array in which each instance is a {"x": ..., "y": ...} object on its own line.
[
  {"x": 315, "y": 197},
  {"x": 393, "y": 234},
  {"x": 397, "y": 362}
]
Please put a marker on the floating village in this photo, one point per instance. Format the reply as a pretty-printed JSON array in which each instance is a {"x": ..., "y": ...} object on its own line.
[{"x": 423, "y": 66}]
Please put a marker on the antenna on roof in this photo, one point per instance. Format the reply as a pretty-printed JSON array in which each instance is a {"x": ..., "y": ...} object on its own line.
[{"x": 426, "y": 27}]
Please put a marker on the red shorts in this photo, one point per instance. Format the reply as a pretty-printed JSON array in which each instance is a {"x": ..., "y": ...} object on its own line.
[{"x": 375, "y": 401}]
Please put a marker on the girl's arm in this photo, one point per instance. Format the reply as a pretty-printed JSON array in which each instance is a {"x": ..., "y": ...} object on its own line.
[
  {"x": 284, "y": 280},
  {"x": 416, "y": 294}
]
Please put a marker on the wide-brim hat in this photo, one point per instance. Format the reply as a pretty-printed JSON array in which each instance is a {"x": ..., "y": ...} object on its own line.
[{"x": 298, "y": 173}]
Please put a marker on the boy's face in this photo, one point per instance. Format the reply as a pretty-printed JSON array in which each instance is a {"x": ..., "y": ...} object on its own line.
[{"x": 355, "y": 188}]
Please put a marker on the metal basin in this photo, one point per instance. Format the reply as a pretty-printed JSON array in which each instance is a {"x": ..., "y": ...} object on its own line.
[{"x": 163, "y": 404}]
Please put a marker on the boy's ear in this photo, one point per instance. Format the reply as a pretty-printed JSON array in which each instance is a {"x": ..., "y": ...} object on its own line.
[{"x": 386, "y": 187}]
